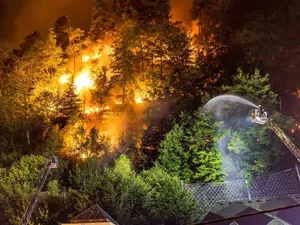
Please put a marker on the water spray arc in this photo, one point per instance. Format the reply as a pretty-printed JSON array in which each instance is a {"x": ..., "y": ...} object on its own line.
[
  {"x": 216, "y": 107},
  {"x": 258, "y": 116}
]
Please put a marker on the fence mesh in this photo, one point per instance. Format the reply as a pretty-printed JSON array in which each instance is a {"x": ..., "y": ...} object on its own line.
[{"x": 275, "y": 185}]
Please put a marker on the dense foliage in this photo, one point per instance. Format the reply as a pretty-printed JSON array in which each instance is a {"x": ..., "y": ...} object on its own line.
[{"x": 189, "y": 150}]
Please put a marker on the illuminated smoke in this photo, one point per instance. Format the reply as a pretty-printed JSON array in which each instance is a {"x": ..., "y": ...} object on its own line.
[
  {"x": 180, "y": 11},
  {"x": 21, "y": 17}
]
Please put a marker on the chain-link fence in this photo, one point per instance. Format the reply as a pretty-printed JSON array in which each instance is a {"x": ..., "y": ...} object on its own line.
[{"x": 275, "y": 185}]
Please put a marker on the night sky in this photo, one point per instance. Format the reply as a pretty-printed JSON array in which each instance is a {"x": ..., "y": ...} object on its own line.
[{"x": 18, "y": 18}]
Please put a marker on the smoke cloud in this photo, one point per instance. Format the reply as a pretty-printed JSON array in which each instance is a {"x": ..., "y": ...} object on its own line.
[
  {"x": 19, "y": 18},
  {"x": 181, "y": 10}
]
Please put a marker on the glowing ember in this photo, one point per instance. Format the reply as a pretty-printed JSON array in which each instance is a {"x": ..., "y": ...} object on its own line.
[
  {"x": 85, "y": 58},
  {"x": 83, "y": 80},
  {"x": 64, "y": 79}
]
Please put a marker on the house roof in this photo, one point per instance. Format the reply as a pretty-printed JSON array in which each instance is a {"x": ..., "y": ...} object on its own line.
[
  {"x": 223, "y": 210},
  {"x": 93, "y": 214}
]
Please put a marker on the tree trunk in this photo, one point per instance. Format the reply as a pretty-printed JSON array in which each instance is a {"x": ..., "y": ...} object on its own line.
[
  {"x": 27, "y": 124},
  {"x": 74, "y": 67},
  {"x": 124, "y": 93},
  {"x": 123, "y": 116},
  {"x": 198, "y": 45},
  {"x": 161, "y": 66},
  {"x": 161, "y": 60},
  {"x": 143, "y": 69},
  {"x": 152, "y": 58}
]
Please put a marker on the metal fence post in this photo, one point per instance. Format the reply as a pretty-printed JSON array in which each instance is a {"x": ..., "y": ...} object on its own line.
[
  {"x": 298, "y": 174},
  {"x": 248, "y": 191}
]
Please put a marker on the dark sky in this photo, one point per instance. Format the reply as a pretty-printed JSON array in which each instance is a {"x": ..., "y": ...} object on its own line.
[{"x": 18, "y": 18}]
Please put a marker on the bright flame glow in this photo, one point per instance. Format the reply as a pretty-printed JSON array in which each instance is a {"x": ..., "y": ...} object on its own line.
[
  {"x": 83, "y": 156},
  {"x": 95, "y": 110},
  {"x": 108, "y": 50},
  {"x": 96, "y": 56},
  {"x": 83, "y": 80},
  {"x": 64, "y": 79},
  {"x": 86, "y": 58},
  {"x": 138, "y": 100}
]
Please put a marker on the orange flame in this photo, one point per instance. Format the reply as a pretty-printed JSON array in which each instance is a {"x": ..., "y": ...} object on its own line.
[
  {"x": 64, "y": 79},
  {"x": 86, "y": 58},
  {"x": 83, "y": 80}
]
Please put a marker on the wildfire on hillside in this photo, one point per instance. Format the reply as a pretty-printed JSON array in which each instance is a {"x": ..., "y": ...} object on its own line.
[{"x": 93, "y": 59}]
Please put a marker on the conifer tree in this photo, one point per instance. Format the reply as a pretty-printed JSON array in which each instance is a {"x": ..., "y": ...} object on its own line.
[
  {"x": 76, "y": 43},
  {"x": 103, "y": 21},
  {"x": 189, "y": 150},
  {"x": 62, "y": 26},
  {"x": 103, "y": 86},
  {"x": 70, "y": 103}
]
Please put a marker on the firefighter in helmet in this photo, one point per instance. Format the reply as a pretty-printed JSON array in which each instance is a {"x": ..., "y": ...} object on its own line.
[{"x": 260, "y": 111}]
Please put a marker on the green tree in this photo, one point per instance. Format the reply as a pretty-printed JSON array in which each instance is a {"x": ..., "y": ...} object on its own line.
[
  {"x": 257, "y": 148},
  {"x": 54, "y": 141},
  {"x": 76, "y": 202},
  {"x": 189, "y": 149},
  {"x": 17, "y": 186},
  {"x": 123, "y": 193},
  {"x": 86, "y": 176},
  {"x": 171, "y": 202},
  {"x": 252, "y": 86}
]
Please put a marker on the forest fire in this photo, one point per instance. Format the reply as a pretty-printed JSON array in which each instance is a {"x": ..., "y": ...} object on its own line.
[
  {"x": 64, "y": 79},
  {"x": 138, "y": 100},
  {"x": 83, "y": 81},
  {"x": 86, "y": 58},
  {"x": 96, "y": 56}
]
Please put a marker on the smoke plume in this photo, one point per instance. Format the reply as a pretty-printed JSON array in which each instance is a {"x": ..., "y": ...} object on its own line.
[{"x": 19, "y": 18}]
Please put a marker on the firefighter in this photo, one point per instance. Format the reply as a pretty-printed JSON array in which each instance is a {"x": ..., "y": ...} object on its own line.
[{"x": 260, "y": 111}]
